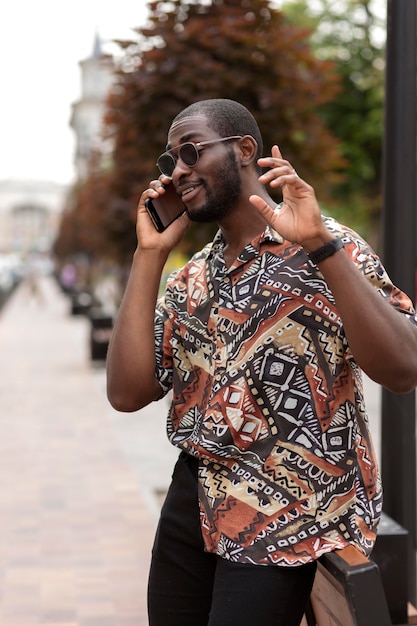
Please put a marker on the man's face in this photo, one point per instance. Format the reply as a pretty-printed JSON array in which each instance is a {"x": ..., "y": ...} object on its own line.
[{"x": 210, "y": 188}]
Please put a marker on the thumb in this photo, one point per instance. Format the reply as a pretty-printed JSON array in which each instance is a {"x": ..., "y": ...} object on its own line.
[{"x": 263, "y": 207}]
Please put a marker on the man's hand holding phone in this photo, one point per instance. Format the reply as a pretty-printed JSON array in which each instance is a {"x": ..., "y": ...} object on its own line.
[
  {"x": 160, "y": 207},
  {"x": 166, "y": 208}
]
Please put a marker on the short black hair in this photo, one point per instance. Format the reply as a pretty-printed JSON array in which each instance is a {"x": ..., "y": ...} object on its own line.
[{"x": 227, "y": 118}]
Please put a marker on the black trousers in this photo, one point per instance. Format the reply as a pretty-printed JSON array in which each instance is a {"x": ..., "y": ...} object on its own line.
[{"x": 190, "y": 587}]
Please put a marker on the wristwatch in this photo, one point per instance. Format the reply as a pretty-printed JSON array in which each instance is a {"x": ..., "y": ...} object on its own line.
[{"x": 325, "y": 251}]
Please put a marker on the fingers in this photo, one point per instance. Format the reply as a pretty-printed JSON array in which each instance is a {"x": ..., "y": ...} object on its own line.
[
  {"x": 159, "y": 184},
  {"x": 280, "y": 171},
  {"x": 278, "y": 177},
  {"x": 155, "y": 189}
]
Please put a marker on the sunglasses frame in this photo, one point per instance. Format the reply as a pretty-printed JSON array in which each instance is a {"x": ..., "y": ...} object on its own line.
[{"x": 198, "y": 146}]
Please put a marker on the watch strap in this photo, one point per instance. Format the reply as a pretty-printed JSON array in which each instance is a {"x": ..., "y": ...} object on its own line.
[{"x": 325, "y": 251}]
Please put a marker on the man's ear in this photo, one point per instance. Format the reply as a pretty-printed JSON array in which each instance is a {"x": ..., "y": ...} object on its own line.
[{"x": 248, "y": 150}]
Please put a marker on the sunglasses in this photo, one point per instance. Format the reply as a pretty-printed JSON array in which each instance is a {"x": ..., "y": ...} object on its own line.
[{"x": 188, "y": 152}]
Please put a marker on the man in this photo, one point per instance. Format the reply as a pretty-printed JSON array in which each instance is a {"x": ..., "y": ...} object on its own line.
[{"x": 261, "y": 337}]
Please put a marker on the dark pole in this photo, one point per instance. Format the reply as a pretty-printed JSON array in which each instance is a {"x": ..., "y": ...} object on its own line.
[{"x": 398, "y": 448}]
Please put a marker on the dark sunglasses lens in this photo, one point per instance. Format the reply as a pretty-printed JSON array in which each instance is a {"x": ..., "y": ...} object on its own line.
[
  {"x": 166, "y": 164},
  {"x": 188, "y": 154}
]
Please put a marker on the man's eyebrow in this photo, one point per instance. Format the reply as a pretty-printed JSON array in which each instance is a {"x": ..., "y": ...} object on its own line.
[{"x": 188, "y": 137}]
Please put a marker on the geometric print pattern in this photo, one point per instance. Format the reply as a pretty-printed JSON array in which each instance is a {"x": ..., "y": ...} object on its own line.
[{"x": 268, "y": 397}]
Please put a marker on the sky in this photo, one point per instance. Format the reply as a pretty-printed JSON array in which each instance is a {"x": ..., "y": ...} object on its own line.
[{"x": 41, "y": 45}]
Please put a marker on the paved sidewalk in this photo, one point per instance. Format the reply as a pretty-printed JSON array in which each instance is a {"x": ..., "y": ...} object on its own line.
[
  {"x": 78, "y": 507},
  {"x": 79, "y": 482}
]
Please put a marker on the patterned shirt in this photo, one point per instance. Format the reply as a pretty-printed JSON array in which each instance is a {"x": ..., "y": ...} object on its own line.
[{"x": 268, "y": 397}]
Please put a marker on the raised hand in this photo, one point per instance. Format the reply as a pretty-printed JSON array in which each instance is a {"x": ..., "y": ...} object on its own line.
[{"x": 299, "y": 219}]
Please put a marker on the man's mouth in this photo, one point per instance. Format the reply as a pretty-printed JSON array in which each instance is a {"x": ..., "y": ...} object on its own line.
[{"x": 189, "y": 192}]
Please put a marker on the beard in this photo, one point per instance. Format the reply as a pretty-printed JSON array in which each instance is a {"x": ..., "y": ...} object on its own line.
[{"x": 221, "y": 199}]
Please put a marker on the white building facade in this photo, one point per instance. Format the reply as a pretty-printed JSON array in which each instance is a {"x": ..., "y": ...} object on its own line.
[{"x": 97, "y": 77}]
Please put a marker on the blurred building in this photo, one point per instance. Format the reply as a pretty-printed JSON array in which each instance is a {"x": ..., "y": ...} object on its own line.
[
  {"x": 97, "y": 77},
  {"x": 30, "y": 210},
  {"x": 29, "y": 215}
]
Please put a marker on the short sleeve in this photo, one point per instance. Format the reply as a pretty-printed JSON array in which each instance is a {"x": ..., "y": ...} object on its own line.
[{"x": 163, "y": 351}]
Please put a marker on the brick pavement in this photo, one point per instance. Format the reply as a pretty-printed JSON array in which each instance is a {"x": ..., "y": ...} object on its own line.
[
  {"x": 79, "y": 482},
  {"x": 77, "y": 511}
]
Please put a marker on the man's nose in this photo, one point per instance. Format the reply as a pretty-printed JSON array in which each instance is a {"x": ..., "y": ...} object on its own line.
[{"x": 180, "y": 169}]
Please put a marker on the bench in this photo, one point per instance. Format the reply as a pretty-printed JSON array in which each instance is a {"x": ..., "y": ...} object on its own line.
[
  {"x": 352, "y": 590},
  {"x": 347, "y": 591}
]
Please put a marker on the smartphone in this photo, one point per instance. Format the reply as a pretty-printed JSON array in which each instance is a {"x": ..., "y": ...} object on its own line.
[{"x": 166, "y": 208}]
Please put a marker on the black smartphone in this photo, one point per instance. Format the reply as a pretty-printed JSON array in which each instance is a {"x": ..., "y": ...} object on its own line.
[{"x": 166, "y": 208}]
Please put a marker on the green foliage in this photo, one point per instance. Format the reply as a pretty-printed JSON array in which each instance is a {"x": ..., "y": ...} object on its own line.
[{"x": 349, "y": 33}]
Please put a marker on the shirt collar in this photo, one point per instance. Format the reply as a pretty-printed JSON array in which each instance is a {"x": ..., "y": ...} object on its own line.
[{"x": 269, "y": 234}]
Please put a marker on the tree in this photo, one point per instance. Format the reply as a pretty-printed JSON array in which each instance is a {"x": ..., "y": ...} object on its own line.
[
  {"x": 242, "y": 49},
  {"x": 190, "y": 50}
]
